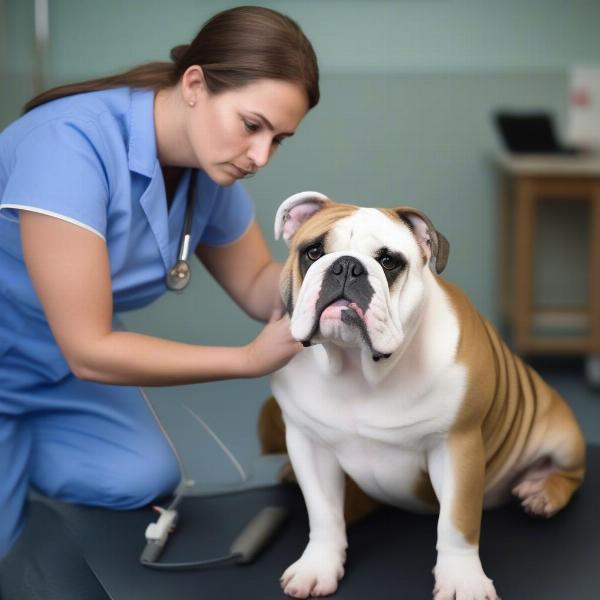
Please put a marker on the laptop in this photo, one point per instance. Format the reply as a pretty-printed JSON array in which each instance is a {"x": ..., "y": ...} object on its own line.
[{"x": 530, "y": 133}]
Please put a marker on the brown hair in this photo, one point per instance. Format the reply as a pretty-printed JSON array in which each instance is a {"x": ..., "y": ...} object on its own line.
[{"x": 234, "y": 48}]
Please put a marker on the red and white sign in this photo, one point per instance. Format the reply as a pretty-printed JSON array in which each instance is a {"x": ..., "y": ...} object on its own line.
[{"x": 583, "y": 128}]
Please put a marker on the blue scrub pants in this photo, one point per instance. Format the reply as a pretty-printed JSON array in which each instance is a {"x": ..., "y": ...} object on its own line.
[{"x": 79, "y": 442}]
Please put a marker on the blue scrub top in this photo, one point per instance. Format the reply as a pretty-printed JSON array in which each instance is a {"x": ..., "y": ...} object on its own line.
[{"x": 91, "y": 159}]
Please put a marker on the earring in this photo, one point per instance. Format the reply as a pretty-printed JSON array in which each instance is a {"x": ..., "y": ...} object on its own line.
[{"x": 192, "y": 103}]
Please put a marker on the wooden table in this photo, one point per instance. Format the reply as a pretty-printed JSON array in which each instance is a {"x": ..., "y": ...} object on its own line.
[{"x": 525, "y": 182}]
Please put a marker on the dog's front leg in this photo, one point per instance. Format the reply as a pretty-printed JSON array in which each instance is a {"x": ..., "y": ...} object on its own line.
[
  {"x": 457, "y": 470},
  {"x": 321, "y": 566}
]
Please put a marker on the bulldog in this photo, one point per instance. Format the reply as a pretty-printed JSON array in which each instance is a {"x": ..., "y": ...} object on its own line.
[{"x": 409, "y": 391}]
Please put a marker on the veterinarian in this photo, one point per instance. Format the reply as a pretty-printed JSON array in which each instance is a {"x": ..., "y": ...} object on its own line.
[{"x": 95, "y": 211}]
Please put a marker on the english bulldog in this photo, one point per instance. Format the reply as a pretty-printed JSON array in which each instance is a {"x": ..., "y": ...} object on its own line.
[{"x": 408, "y": 390}]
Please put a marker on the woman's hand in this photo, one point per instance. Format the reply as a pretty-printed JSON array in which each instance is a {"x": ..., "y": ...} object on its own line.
[{"x": 273, "y": 348}]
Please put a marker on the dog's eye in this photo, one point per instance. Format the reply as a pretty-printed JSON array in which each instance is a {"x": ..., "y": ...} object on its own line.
[
  {"x": 390, "y": 260},
  {"x": 314, "y": 252},
  {"x": 389, "y": 263}
]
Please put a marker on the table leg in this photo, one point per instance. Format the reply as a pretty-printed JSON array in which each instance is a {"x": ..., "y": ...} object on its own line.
[
  {"x": 525, "y": 213},
  {"x": 505, "y": 253},
  {"x": 594, "y": 270}
]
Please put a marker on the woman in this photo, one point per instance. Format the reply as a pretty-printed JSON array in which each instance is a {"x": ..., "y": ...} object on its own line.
[{"x": 93, "y": 186}]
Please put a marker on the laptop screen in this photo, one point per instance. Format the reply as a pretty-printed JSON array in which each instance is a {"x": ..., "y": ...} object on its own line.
[{"x": 529, "y": 133}]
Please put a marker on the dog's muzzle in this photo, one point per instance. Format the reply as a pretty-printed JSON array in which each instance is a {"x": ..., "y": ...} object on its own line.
[{"x": 346, "y": 283}]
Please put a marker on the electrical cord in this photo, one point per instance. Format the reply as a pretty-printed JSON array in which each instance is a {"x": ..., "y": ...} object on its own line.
[
  {"x": 190, "y": 566},
  {"x": 246, "y": 546}
]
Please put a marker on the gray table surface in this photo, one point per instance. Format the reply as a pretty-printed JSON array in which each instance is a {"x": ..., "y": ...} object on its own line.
[{"x": 91, "y": 554}]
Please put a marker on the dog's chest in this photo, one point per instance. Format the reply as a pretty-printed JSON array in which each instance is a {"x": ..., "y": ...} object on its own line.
[{"x": 380, "y": 435}]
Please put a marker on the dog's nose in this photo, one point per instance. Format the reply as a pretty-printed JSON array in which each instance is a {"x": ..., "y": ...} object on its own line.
[{"x": 348, "y": 267}]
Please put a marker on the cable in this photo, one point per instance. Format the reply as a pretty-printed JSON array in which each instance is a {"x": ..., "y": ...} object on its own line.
[
  {"x": 246, "y": 546},
  {"x": 189, "y": 566},
  {"x": 220, "y": 443},
  {"x": 184, "y": 481}
]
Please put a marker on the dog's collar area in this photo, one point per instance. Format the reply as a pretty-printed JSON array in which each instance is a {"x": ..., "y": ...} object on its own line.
[{"x": 375, "y": 354}]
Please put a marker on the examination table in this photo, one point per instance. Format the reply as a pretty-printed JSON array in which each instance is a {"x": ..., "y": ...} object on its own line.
[{"x": 77, "y": 553}]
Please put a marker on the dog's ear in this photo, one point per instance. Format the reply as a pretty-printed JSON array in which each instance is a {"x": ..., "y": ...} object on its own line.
[
  {"x": 431, "y": 241},
  {"x": 295, "y": 210}
]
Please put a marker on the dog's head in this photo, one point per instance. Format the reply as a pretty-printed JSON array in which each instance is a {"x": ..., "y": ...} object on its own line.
[{"x": 355, "y": 276}]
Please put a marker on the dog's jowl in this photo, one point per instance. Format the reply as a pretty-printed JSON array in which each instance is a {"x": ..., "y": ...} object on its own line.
[{"x": 407, "y": 392}]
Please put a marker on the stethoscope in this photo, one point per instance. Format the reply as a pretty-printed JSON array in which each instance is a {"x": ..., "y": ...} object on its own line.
[{"x": 180, "y": 273}]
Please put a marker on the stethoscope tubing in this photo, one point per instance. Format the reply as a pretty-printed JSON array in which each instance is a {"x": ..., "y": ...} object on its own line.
[
  {"x": 178, "y": 276},
  {"x": 184, "y": 250}
]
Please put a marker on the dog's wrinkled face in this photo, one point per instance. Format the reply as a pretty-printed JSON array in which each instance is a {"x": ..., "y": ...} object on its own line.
[{"x": 354, "y": 276}]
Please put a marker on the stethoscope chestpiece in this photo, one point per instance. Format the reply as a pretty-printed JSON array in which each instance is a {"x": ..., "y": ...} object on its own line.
[{"x": 179, "y": 276}]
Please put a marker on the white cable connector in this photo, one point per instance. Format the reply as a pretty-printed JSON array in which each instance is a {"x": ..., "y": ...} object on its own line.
[{"x": 159, "y": 531}]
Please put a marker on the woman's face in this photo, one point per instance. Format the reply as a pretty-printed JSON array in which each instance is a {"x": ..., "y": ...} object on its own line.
[{"x": 234, "y": 133}]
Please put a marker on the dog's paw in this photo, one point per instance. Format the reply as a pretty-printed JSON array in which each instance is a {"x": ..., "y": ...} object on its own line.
[
  {"x": 462, "y": 578},
  {"x": 315, "y": 574},
  {"x": 534, "y": 499},
  {"x": 544, "y": 496}
]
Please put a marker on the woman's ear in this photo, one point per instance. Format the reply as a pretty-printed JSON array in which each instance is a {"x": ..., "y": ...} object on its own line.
[
  {"x": 295, "y": 210},
  {"x": 192, "y": 84}
]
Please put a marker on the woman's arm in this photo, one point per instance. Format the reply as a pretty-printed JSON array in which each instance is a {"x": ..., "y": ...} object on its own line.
[
  {"x": 69, "y": 268},
  {"x": 246, "y": 271}
]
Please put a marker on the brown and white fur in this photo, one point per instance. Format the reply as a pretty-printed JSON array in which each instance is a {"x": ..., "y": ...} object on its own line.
[{"x": 409, "y": 391}]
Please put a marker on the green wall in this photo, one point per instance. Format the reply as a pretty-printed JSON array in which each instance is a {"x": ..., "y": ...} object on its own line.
[
  {"x": 408, "y": 88},
  {"x": 407, "y": 92},
  {"x": 93, "y": 36}
]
